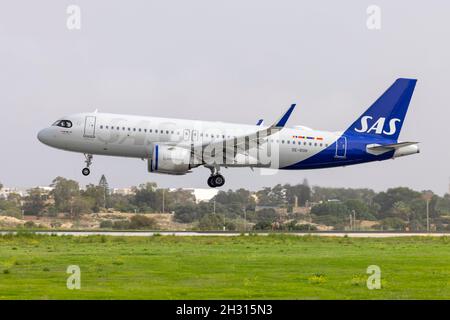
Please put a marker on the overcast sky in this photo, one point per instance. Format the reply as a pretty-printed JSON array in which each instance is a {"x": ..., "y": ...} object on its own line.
[{"x": 230, "y": 60}]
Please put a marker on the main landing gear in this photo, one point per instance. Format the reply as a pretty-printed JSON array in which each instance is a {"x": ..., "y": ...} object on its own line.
[
  {"x": 216, "y": 179},
  {"x": 88, "y": 162}
]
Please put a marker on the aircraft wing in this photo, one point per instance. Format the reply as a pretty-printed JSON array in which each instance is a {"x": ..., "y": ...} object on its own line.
[{"x": 241, "y": 144}]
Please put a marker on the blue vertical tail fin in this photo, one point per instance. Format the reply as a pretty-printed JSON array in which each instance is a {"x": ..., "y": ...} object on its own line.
[{"x": 385, "y": 116}]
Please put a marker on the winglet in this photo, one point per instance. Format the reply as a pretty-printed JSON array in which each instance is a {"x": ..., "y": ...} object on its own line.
[
  {"x": 260, "y": 122},
  {"x": 282, "y": 121}
]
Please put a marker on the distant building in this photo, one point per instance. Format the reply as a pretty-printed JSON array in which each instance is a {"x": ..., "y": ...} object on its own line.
[
  {"x": 122, "y": 191},
  {"x": 5, "y": 192},
  {"x": 45, "y": 190},
  {"x": 201, "y": 194}
]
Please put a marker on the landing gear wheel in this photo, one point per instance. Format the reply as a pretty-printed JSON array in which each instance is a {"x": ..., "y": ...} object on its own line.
[
  {"x": 85, "y": 171},
  {"x": 211, "y": 182},
  {"x": 88, "y": 162},
  {"x": 218, "y": 180}
]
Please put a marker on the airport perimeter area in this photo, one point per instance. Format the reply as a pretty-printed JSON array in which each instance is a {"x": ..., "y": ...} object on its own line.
[{"x": 235, "y": 267}]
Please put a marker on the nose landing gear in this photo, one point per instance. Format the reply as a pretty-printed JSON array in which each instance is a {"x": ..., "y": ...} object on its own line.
[
  {"x": 216, "y": 179},
  {"x": 88, "y": 162}
]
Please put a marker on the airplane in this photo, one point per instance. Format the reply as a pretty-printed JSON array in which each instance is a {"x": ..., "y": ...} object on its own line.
[{"x": 176, "y": 146}]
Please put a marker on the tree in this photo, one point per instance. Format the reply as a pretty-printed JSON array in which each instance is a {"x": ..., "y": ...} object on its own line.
[
  {"x": 210, "y": 221},
  {"x": 334, "y": 208},
  {"x": 145, "y": 197},
  {"x": 10, "y": 208},
  {"x": 79, "y": 205},
  {"x": 235, "y": 202},
  {"x": 186, "y": 213},
  {"x": 34, "y": 203},
  {"x": 123, "y": 203},
  {"x": 103, "y": 184},
  {"x": 361, "y": 209},
  {"x": 401, "y": 210},
  {"x": 266, "y": 216},
  {"x": 300, "y": 191},
  {"x": 95, "y": 195},
  {"x": 443, "y": 205},
  {"x": 64, "y": 191},
  {"x": 343, "y": 194},
  {"x": 1, "y": 186},
  {"x": 387, "y": 199},
  {"x": 271, "y": 196},
  {"x": 177, "y": 197}
]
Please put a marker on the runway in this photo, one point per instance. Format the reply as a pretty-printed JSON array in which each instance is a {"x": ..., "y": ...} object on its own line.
[{"x": 353, "y": 234}]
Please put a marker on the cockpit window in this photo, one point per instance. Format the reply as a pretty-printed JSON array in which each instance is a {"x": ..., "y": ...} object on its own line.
[{"x": 63, "y": 123}]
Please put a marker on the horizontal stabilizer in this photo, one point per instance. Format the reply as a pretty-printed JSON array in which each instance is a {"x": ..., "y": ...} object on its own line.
[
  {"x": 387, "y": 147},
  {"x": 377, "y": 149}
]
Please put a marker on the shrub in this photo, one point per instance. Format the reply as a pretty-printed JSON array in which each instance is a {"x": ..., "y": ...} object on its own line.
[
  {"x": 186, "y": 213},
  {"x": 142, "y": 222},
  {"x": 29, "y": 224},
  {"x": 263, "y": 225},
  {"x": 393, "y": 224},
  {"x": 121, "y": 225},
  {"x": 106, "y": 224},
  {"x": 211, "y": 222},
  {"x": 293, "y": 226}
]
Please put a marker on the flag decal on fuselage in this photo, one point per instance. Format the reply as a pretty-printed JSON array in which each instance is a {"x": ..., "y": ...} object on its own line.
[{"x": 308, "y": 138}]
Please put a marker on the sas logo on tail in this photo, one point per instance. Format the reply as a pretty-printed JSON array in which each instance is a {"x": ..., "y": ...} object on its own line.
[{"x": 378, "y": 126}]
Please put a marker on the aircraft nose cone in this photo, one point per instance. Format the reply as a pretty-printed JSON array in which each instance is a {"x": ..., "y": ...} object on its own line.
[{"x": 44, "y": 136}]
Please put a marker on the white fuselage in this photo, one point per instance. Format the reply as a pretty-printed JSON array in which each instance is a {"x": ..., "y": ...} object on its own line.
[{"x": 134, "y": 136}]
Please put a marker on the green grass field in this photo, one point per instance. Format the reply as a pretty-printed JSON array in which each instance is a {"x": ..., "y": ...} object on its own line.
[{"x": 242, "y": 267}]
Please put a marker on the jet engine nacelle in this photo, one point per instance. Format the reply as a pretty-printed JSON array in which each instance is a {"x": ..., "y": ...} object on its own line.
[{"x": 170, "y": 160}]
